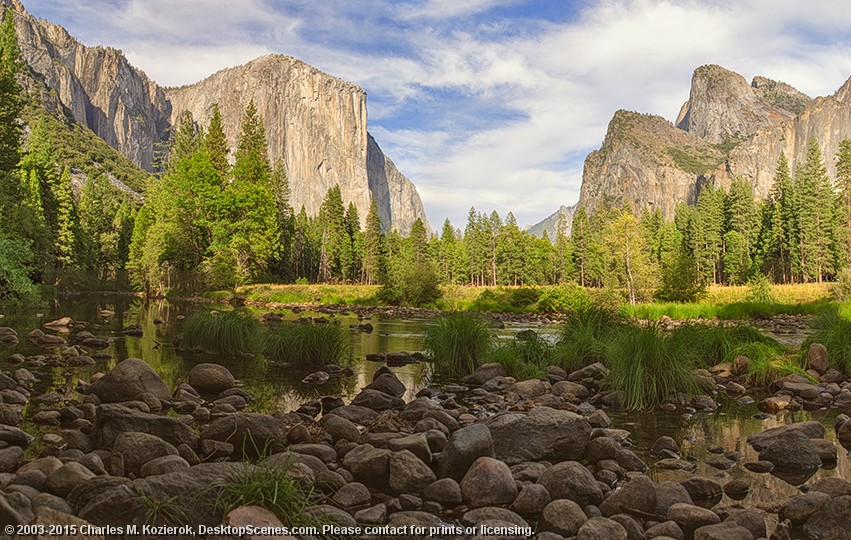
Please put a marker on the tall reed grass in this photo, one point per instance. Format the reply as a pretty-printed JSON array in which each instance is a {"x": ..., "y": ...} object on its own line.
[
  {"x": 228, "y": 333},
  {"x": 307, "y": 344},
  {"x": 458, "y": 343},
  {"x": 833, "y": 330}
]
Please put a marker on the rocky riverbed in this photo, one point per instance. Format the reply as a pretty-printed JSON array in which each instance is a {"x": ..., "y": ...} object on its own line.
[{"x": 487, "y": 456}]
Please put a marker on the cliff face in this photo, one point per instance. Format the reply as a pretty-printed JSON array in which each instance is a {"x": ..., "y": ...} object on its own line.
[
  {"x": 96, "y": 85},
  {"x": 726, "y": 129},
  {"x": 550, "y": 224},
  {"x": 645, "y": 162},
  {"x": 316, "y": 125}
]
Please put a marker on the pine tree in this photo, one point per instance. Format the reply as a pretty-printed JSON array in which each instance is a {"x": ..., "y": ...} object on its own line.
[
  {"x": 707, "y": 233},
  {"x": 779, "y": 236},
  {"x": 373, "y": 255},
  {"x": 626, "y": 258},
  {"x": 741, "y": 217},
  {"x": 11, "y": 96},
  {"x": 843, "y": 187},
  {"x": 419, "y": 242},
  {"x": 580, "y": 235},
  {"x": 816, "y": 226},
  {"x": 333, "y": 220},
  {"x": 66, "y": 225},
  {"x": 563, "y": 267},
  {"x": 216, "y": 142}
]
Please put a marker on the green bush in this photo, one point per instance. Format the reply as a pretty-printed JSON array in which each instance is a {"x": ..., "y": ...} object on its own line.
[
  {"x": 759, "y": 290},
  {"x": 568, "y": 297},
  {"x": 457, "y": 343},
  {"x": 307, "y": 344},
  {"x": 842, "y": 287},
  {"x": 523, "y": 297},
  {"x": 582, "y": 337},
  {"x": 228, "y": 333},
  {"x": 415, "y": 285}
]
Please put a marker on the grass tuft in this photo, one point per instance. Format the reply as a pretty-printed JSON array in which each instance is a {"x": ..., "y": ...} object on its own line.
[
  {"x": 228, "y": 333},
  {"x": 307, "y": 344},
  {"x": 833, "y": 330},
  {"x": 644, "y": 365},
  {"x": 458, "y": 343},
  {"x": 524, "y": 357},
  {"x": 270, "y": 488}
]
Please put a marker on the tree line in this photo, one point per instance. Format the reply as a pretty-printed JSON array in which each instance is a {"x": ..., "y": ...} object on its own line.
[{"x": 211, "y": 222}]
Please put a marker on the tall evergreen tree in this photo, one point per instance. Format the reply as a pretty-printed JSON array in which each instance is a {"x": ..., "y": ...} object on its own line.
[
  {"x": 815, "y": 203},
  {"x": 11, "y": 96},
  {"x": 780, "y": 228},
  {"x": 373, "y": 253},
  {"x": 216, "y": 142},
  {"x": 580, "y": 235},
  {"x": 843, "y": 187}
]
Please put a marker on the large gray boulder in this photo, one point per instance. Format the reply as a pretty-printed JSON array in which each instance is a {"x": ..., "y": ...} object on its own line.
[
  {"x": 210, "y": 378},
  {"x": 112, "y": 419},
  {"x": 463, "y": 448},
  {"x": 127, "y": 381},
  {"x": 251, "y": 434},
  {"x": 571, "y": 480},
  {"x": 540, "y": 434}
]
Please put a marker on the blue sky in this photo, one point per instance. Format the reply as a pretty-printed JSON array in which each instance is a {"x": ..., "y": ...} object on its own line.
[{"x": 485, "y": 103}]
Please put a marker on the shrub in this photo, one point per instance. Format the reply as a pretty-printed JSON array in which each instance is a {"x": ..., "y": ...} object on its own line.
[
  {"x": 307, "y": 344},
  {"x": 415, "y": 285},
  {"x": 681, "y": 283},
  {"x": 457, "y": 342},
  {"x": 228, "y": 333},
  {"x": 568, "y": 297},
  {"x": 523, "y": 297},
  {"x": 842, "y": 287},
  {"x": 492, "y": 301},
  {"x": 759, "y": 290}
]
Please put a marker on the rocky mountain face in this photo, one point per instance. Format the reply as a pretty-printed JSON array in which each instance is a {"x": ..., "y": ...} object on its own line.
[
  {"x": 728, "y": 128},
  {"x": 316, "y": 124},
  {"x": 550, "y": 224}
]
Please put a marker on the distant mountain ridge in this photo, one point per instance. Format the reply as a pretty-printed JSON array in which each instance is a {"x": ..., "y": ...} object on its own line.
[
  {"x": 549, "y": 224},
  {"x": 316, "y": 124},
  {"x": 728, "y": 128}
]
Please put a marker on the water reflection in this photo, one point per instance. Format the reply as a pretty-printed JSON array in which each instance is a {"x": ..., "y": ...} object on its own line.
[{"x": 280, "y": 388}]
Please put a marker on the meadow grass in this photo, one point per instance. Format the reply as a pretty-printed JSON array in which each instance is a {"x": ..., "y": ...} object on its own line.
[
  {"x": 458, "y": 343},
  {"x": 307, "y": 344},
  {"x": 227, "y": 333}
]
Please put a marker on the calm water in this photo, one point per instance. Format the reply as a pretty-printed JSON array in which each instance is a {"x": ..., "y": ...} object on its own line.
[{"x": 279, "y": 388}]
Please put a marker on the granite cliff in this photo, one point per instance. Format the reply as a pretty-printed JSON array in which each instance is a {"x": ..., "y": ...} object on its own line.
[
  {"x": 728, "y": 128},
  {"x": 550, "y": 224},
  {"x": 316, "y": 124}
]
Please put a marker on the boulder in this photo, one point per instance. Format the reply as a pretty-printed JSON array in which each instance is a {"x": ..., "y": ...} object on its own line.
[
  {"x": 791, "y": 450},
  {"x": 831, "y": 521},
  {"x": 369, "y": 465},
  {"x": 563, "y": 517},
  {"x": 389, "y": 384},
  {"x": 139, "y": 448},
  {"x": 210, "y": 379},
  {"x": 112, "y": 419},
  {"x": 690, "y": 517},
  {"x": 541, "y": 434},
  {"x": 571, "y": 480},
  {"x": 488, "y": 483},
  {"x": 127, "y": 381},
  {"x": 799, "y": 508},
  {"x": 339, "y": 428},
  {"x": 530, "y": 388},
  {"x": 637, "y": 496},
  {"x": 531, "y": 500},
  {"x": 377, "y": 401},
  {"x": 729, "y": 530},
  {"x": 484, "y": 373},
  {"x": 600, "y": 528},
  {"x": 407, "y": 473},
  {"x": 445, "y": 491},
  {"x": 251, "y": 434},
  {"x": 464, "y": 447},
  {"x": 61, "y": 481},
  {"x": 817, "y": 359}
]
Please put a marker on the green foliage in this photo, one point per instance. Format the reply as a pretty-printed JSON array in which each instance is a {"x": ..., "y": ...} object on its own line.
[
  {"x": 410, "y": 285},
  {"x": 767, "y": 363},
  {"x": 582, "y": 336},
  {"x": 759, "y": 290},
  {"x": 270, "y": 488},
  {"x": 842, "y": 287},
  {"x": 307, "y": 344},
  {"x": 525, "y": 356},
  {"x": 161, "y": 510},
  {"x": 646, "y": 367},
  {"x": 458, "y": 343},
  {"x": 15, "y": 261},
  {"x": 11, "y": 97},
  {"x": 564, "y": 298},
  {"x": 228, "y": 333}
]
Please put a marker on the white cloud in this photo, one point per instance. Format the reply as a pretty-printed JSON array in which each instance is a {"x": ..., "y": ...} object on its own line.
[{"x": 479, "y": 109}]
